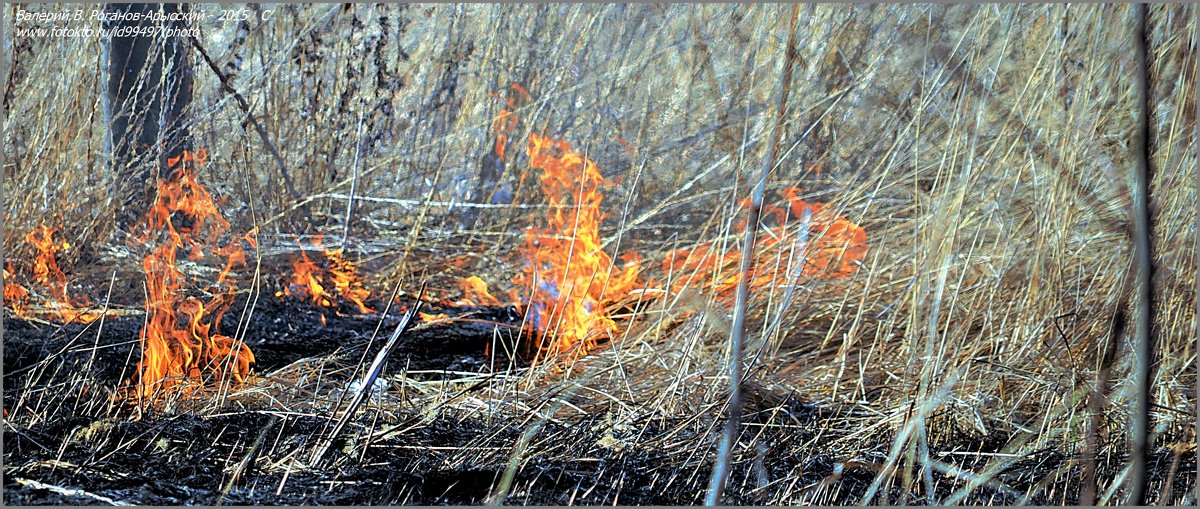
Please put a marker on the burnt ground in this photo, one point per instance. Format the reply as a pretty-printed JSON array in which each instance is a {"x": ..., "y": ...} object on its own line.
[
  {"x": 278, "y": 332},
  {"x": 60, "y": 439}
]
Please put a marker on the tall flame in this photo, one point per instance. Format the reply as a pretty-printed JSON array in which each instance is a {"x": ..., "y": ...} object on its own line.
[
  {"x": 568, "y": 274},
  {"x": 179, "y": 347}
]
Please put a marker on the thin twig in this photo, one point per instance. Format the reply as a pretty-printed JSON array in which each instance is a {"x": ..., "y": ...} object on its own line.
[
  {"x": 354, "y": 182},
  {"x": 70, "y": 492},
  {"x": 503, "y": 487},
  {"x": 246, "y": 461},
  {"x": 957, "y": 67},
  {"x": 262, "y": 132},
  {"x": 1196, "y": 152},
  {"x": 1100, "y": 398},
  {"x": 1144, "y": 258},
  {"x": 720, "y": 474},
  {"x": 87, "y": 368},
  {"x": 368, "y": 381},
  {"x": 799, "y": 261}
]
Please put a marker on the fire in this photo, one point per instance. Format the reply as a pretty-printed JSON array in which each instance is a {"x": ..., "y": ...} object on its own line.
[
  {"x": 427, "y": 317},
  {"x": 325, "y": 283},
  {"x": 833, "y": 247},
  {"x": 306, "y": 282},
  {"x": 16, "y": 297},
  {"x": 47, "y": 274},
  {"x": 178, "y": 343},
  {"x": 838, "y": 245},
  {"x": 506, "y": 121},
  {"x": 568, "y": 274},
  {"x": 344, "y": 275},
  {"x": 45, "y": 266},
  {"x": 475, "y": 293},
  {"x": 571, "y": 283}
]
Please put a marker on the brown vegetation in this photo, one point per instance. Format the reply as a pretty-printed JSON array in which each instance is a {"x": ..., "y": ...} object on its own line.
[{"x": 958, "y": 178}]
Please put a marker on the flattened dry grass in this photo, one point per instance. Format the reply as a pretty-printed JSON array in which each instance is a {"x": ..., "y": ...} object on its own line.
[{"x": 984, "y": 150}]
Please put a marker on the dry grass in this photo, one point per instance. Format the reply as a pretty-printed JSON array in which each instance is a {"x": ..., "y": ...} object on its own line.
[{"x": 984, "y": 149}]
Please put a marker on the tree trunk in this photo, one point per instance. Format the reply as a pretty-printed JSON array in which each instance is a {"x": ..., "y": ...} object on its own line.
[{"x": 149, "y": 90}]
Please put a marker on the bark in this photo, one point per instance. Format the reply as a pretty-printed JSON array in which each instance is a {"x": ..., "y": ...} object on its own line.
[{"x": 149, "y": 90}]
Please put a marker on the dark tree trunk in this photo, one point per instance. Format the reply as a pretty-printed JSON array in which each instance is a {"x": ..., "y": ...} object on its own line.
[
  {"x": 491, "y": 168},
  {"x": 149, "y": 89}
]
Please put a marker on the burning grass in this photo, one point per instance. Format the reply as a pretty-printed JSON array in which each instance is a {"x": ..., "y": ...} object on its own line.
[
  {"x": 328, "y": 281},
  {"x": 809, "y": 241},
  {"x": 50, "y": 281},
  {"x": 569, "y": 277},
  {"x": 927, "y": 318},
  {"x": 180, "y": 348}
]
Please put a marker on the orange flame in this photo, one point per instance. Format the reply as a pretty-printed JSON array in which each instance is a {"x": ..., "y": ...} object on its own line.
[
  {"x": 838, "y": 245},
  {"x": 835, "y": 247},
  {"x": 47, "y": 274},
  {"x": 475, "y": 293},
  {"x": 506, "y": 122},
  {"x": 178, "y": 344},
  {"x": 340, "y": 276},
  {"x": 346, "y": 280},
  {"x": 306, "y": 282},
  {"x": 16, "y": 297},
  {"x": 427, "y": 317},
  {"x": 571, "y": 278},
  {"x": 45, "y": 266}
]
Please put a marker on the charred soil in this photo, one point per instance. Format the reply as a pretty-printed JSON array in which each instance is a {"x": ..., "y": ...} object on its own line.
[{"x": 66, "y": 443}]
